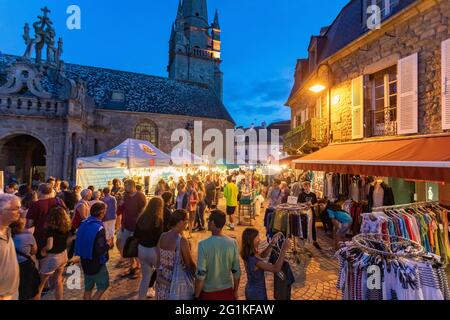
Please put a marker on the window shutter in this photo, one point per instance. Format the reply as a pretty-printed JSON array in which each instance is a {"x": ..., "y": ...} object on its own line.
[
  {"x": 446, "y": 84},
  {"x": 407, "y": 96},
  {"x": 358, "y": 108}
]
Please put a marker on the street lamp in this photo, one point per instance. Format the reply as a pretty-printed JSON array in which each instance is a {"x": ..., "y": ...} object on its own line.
[{"x": 317, "y": 88}]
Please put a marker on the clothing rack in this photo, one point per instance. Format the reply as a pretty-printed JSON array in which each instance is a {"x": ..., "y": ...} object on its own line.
[
  {"x": 425, "y": 222},
  {"x": 407, "y": 269},
  {"x": 362, "y": 241},
  {"x": 408, "y": 205},
  {"x": 295, "y": 209}
]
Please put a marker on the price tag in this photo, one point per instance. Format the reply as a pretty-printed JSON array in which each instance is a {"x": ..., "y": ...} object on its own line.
[
  {"x": 441, "y": 227},
  {"x": 292, "y": 200}
]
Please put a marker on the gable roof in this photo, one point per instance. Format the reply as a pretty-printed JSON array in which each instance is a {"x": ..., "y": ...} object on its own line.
[
  {"x": 142, "y": 93},
  {"x": 348, "y": 26}
]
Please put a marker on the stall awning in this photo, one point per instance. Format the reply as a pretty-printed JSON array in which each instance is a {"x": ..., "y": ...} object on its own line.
[
  {"x": 426, "y": 158},
  {"x": 288, "y": 160}
]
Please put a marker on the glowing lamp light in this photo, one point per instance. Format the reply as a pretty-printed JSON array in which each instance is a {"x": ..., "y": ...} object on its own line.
[
  {"x": 317, "y": 88},
  {"x": 336, "y": 100}
]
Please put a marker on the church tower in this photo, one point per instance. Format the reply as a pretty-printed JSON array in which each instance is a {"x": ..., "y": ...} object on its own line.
[{"x": 194, "y": 46}]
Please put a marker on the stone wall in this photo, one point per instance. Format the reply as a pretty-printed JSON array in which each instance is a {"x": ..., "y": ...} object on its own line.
[
  {"x": 67, "y": 138},
  {"x": 118, "y": 126},
  {"x": 424, "y": 34},
  {"x": 50, "y": 132}
]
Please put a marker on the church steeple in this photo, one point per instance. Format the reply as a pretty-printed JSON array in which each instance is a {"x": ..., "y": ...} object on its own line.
[
  {"x": 216, "y": 23},
  {"x": 180, "y": 10},
  {"x": 196, "y": 12},
  {"x": 194, "y": 46}
]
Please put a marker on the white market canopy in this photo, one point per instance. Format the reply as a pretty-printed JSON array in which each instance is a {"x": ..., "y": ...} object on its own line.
[
  {"x": 182, "y": 156},
  {"x": 130, "y": 154}
]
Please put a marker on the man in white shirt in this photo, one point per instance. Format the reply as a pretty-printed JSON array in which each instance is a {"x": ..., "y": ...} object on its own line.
[{"x": 9, "y": 266}]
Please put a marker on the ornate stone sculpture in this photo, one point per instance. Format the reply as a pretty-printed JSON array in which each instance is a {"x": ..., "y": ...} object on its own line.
[
  {"x": 44, "y": 36},
  {"x": 29, "y": 42}
]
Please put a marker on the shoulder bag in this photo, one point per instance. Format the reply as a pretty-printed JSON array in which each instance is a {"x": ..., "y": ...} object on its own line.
[{"x": 182, "y": 284}]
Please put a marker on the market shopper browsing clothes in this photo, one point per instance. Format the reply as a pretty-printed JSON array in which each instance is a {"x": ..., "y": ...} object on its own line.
[
  {"x": 341, "y": 221},
  {"x": 256, "y": 266}
]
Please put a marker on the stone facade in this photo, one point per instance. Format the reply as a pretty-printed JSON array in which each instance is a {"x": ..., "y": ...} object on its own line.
[
  {"x": 76, "y": 111},
  {"x": 194, "y": 54},
  {"x": 416, "y": 30}
]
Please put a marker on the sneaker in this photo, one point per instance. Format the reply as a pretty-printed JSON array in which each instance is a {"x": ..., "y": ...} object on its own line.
[
  {"x": 151, "y": 293},
  {"x": 231, "y": 227}
]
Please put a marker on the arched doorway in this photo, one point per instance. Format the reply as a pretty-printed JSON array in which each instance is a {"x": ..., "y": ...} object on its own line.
[{"x": 23, "y": 158}]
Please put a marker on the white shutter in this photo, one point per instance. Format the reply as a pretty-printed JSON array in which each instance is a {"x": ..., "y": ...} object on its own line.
[
  {"x": 407, "y": 95},
  {"x": 446, "y": 84},
  {"x": 358, "y": 108}
]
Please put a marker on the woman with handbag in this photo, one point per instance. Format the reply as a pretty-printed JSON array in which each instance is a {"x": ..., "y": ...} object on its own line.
[
  {"x": 176, "y": 267},
  {"x": 149, "y": 229}
]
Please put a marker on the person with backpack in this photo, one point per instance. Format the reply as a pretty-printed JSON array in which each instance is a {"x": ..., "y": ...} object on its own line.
[
  {"x": 68, "y": 196},
  {"x": 92, "y": 247}
]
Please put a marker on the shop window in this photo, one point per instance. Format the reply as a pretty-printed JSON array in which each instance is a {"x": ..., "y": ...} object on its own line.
[
  {"x": 147, "y": 131},
  {"x": 382, "y": 102}
]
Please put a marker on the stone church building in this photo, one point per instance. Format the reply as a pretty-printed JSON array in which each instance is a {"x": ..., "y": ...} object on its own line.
[{"x": 52, "y": 112}]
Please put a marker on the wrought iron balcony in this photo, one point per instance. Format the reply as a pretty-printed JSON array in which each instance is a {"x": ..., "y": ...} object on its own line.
[{"x": 305, "y": 138}]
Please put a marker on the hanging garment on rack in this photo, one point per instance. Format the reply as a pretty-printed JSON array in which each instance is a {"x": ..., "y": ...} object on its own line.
[
  {"x": 388, "y": 195},
  {"x": 389, "y": 268},
  {"x": 425, "y": 223},
  {"x": 282, "y": 286}
]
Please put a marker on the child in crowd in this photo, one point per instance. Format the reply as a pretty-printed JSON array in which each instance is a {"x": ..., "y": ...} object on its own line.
[{"x": 255, "y": 266}]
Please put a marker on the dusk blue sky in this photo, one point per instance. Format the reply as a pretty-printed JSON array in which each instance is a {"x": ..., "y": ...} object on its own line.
[{"x": 261, "y": 40}]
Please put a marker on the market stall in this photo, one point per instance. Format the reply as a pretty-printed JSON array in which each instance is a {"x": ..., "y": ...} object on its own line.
[{"x": 133, "y": 158}]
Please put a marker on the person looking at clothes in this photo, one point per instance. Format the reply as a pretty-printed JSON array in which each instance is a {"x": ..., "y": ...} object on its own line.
[
  {"x": 255, "y": 264},
  {"x": 340, "y": 219}
]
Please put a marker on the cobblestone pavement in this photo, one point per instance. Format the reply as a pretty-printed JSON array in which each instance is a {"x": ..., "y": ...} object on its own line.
[{"x": 315, "y": 274}]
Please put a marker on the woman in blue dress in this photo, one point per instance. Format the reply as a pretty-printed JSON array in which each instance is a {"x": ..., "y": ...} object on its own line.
[{"x": 255, "y": 266}]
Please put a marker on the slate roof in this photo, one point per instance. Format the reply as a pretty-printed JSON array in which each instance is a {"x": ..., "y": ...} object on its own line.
[
  {"x": 348, "y": 26},
  {"x": 142, "y": 93}
]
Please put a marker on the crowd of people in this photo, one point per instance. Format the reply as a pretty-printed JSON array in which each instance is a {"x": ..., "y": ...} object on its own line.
[{"x": 43, "y": 231}]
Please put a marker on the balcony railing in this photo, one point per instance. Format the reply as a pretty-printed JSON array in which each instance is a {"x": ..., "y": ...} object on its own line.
[
  {"x": 305, "y": 138},
  {"x": 201, "y": 52},
  {"x": 31, "y": 106}
]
